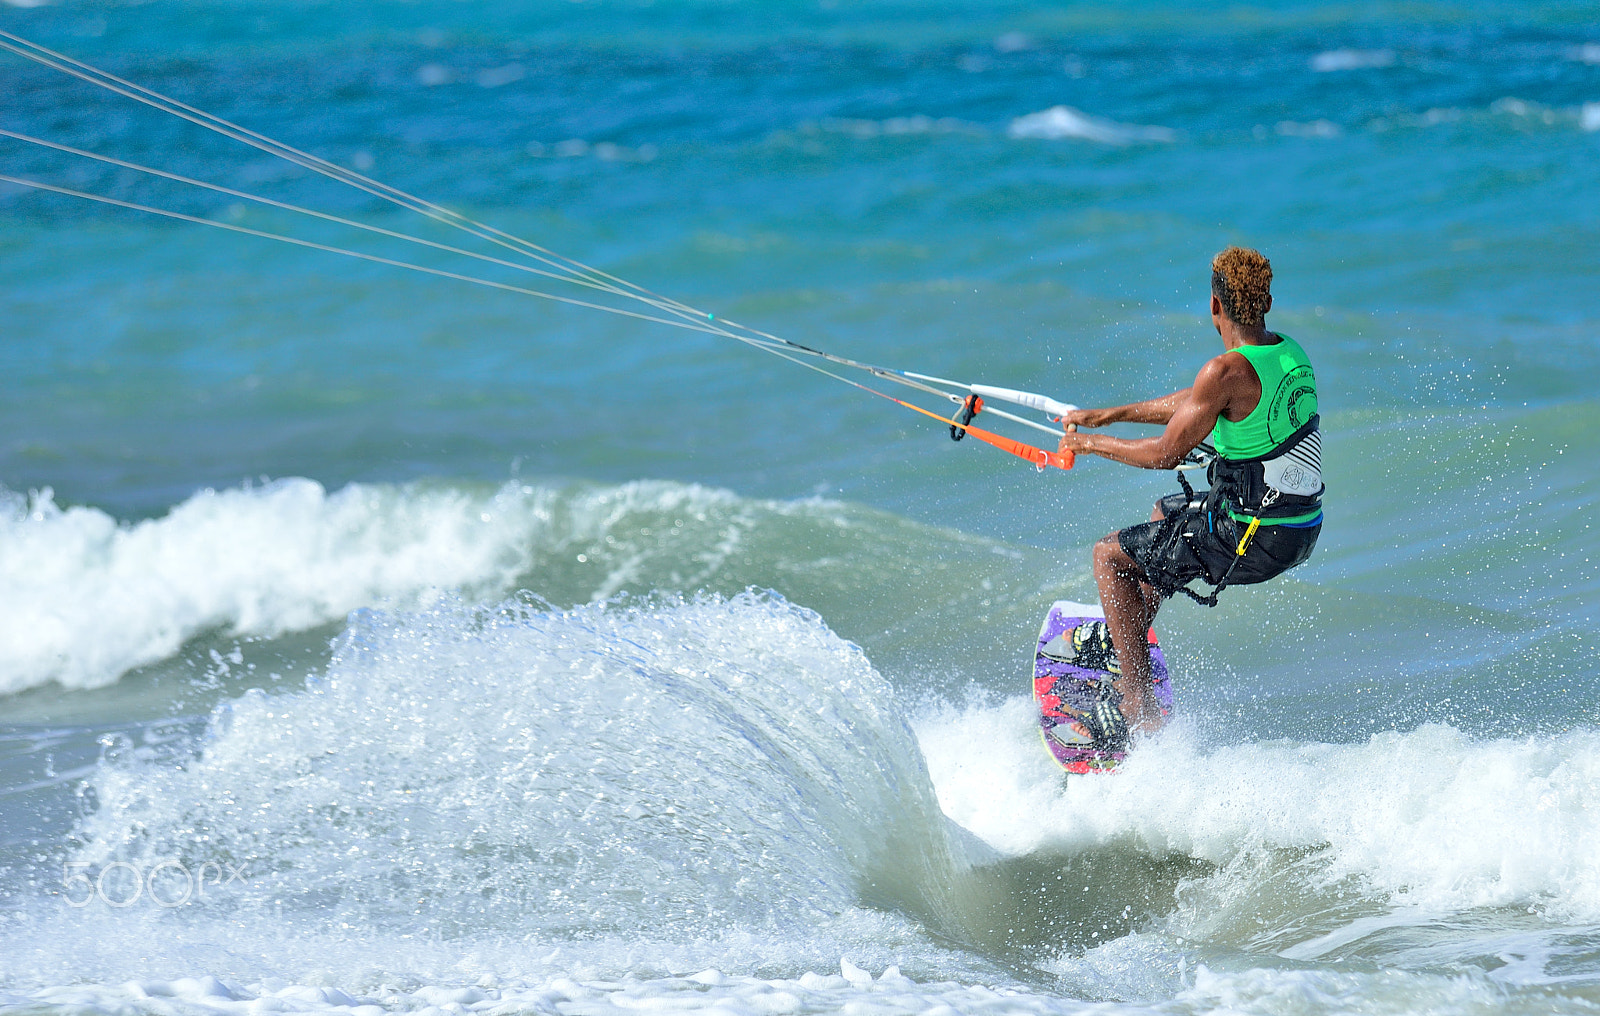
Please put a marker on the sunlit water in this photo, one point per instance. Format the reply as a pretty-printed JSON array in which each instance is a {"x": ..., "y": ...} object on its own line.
[{"x": 372, "y": 642}]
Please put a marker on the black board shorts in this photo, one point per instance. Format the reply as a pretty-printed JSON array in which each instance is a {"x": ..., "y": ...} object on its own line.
[{"x": 1191, "y": 543}]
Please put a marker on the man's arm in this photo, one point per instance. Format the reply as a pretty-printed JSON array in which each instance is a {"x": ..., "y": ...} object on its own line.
[
  {"x": 1152, "y": 411},
  {"x": 1193, "y": 413}
]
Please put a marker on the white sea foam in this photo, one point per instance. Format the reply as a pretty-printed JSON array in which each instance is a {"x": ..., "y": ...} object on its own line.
[
  {"x": 84, "y": 598},
  {"x": 1314, "y": 129},
  {"x": 1060, "y": 122},
  {"x": 849, "y": 990},
  {"x": 581, "y": 764},
  {"x": 433, "y": 74},
  {"x": 891, "y": 127},
  {"x": 1522, "y": 109},
  {"x": 1429, "y": 818},
  {"x": 497, "y": 77},
  {"x": 1269, "y": 992},
  {"x": 852, "y": 989},
  {"x": 1523, "y": 112},
  {"x": 1351, "y": 59},
  {"x": 1013, "y": 42}
]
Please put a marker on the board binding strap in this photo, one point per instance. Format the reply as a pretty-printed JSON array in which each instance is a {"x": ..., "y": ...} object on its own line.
[{"x": 1066, "y": 692}]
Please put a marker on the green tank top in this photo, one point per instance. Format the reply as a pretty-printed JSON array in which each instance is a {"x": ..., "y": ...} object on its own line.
[{"x": 1288, "y": 400}]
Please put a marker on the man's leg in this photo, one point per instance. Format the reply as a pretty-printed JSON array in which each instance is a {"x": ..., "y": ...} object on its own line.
[{"x": 1130, "y": 604}]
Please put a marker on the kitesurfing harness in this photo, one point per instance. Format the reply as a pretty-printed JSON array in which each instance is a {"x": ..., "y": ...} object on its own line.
[
  {"x": 1240, "y": 491},
  {"x": 1267, "y": 469}
]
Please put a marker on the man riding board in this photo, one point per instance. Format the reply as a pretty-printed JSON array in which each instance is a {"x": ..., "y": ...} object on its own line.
[{"x": 1257, "y": 402}]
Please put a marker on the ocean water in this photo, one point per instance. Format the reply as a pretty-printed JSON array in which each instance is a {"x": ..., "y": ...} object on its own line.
[{"x": 373, "y": 642}]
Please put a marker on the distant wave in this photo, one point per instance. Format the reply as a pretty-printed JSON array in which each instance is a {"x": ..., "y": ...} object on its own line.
[
  {"x": 1351, "y": 59},
  {"x": 1523, "y": 112},
  {"x": 1586, "y": 116},
  {"x": 1059, "y": 122},
  {"x": 891, "y": 127},
  {"x": 1314, "y": 129},
  {"x": 1054, "y": 123}
]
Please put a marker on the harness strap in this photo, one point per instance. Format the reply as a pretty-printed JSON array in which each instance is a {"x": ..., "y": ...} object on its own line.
[{"x": 1238, "y": 554}]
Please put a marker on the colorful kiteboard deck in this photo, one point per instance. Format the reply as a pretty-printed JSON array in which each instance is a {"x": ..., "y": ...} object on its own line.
[{"x": 1064, "y": 691}]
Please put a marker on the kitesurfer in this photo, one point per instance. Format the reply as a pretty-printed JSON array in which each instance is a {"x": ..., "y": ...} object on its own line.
[{"x": 1257, "y": 403}]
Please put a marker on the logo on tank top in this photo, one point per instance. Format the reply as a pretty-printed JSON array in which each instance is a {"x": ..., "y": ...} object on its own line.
[{"x": 1293, "y": 403}]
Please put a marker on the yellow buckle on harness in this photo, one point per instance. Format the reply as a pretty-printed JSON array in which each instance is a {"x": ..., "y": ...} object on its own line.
[{"x": 1244, "y": 541}]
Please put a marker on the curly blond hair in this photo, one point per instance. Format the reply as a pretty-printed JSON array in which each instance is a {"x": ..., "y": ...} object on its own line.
[{"x": 1242, "y": 279}]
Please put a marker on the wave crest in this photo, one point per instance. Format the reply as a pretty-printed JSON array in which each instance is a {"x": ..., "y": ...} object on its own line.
[
  {"x": 84, "y": 598},
  {"x": 648, "y": 771},
  {"x": 1059, "y": 122}
]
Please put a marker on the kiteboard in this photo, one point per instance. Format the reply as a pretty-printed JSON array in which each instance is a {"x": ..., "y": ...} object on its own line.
[{"x": 1065, "y": 692}]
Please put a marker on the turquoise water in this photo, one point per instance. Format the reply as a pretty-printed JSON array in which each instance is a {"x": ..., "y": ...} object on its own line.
[{"x": 428, "y": 606}]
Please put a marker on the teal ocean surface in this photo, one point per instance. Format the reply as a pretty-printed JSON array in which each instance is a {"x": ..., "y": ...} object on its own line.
[{"x": 375, "y": 642}]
